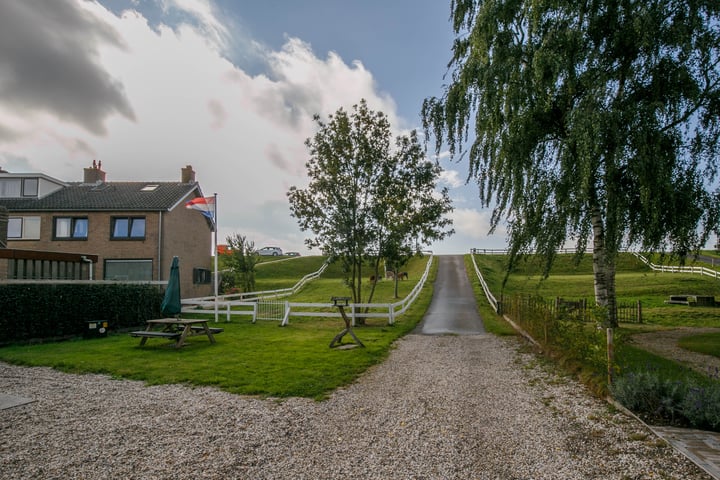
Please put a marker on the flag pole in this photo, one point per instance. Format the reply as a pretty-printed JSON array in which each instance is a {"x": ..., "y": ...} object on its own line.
[{"x": 215, "y": 253}]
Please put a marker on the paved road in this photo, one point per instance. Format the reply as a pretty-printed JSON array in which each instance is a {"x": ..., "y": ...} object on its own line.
[{"x": 453, "y": 309}]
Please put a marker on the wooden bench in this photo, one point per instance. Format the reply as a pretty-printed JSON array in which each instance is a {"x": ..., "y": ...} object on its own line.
[
  {"x": 149, "y": 334},
  {"x": 213, "y": 330},
  {"x": 694, "y": 300}
]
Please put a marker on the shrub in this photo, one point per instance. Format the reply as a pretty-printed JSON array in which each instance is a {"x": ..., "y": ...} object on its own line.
[
  {"x": 649, "y": 395},
  {"x": 701, "y": 406},
  {"x": 661, "y": 400},
  {"x": 35, "y": 311}
]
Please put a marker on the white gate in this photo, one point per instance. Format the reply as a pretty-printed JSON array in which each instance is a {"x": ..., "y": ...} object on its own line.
[{"x": 272, "y": 310}]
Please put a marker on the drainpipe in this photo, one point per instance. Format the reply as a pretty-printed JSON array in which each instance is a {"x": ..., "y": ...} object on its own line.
[
  {"x": 90, "y": 266},
  {"x": 159, "y": 253}
]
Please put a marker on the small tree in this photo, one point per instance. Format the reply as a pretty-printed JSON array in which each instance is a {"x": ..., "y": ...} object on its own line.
[
  {"x": 363, "y": 194},
  {"x": 241, "y": 261}
]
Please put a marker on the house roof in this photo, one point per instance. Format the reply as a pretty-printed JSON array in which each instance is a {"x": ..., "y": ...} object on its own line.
[{"x": 109, "y": 196}]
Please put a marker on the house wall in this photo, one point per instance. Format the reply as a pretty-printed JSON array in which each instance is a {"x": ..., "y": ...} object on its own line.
[
  {"x": 185, "y": 233},
  {"x": 188, "y": 235}
]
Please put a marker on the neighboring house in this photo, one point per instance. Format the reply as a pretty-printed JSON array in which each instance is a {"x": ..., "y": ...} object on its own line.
[{"x": 135, "y": 228}]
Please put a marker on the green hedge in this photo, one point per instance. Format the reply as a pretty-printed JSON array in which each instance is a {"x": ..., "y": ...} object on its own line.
[{"x": 49, "y": 311}]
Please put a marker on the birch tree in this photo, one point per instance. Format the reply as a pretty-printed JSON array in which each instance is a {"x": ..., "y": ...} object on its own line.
[{"x": 588, "y": 121}]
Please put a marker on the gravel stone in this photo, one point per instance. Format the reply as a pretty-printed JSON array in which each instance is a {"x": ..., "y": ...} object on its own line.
[{"x": 440, "y": 407}]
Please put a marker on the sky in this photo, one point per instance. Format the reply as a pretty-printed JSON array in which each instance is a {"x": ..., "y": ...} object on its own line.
[{"x": 227, "y": 86}]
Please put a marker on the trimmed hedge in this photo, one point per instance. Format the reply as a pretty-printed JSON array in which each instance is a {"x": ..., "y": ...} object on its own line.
[{"x": 37, "y": 311}]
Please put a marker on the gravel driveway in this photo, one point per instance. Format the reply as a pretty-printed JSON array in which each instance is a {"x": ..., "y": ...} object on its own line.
[{"x": 441, "y": 407}]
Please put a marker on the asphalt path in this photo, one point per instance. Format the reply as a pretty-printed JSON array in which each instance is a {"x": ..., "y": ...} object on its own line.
[{"x": 453, "y": 309}]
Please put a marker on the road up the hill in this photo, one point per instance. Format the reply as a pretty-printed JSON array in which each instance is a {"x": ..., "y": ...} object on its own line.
[{"x": 453, "y": 309}]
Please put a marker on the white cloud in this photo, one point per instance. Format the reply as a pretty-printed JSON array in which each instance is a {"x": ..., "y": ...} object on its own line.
[
  {"x": 472, "y": 223},
  {"x": 243, "y": 134},
  {"x": 451, "y": 178}
]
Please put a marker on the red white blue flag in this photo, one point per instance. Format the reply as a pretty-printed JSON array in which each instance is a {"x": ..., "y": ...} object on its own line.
[{"x": 204, "y": 205}]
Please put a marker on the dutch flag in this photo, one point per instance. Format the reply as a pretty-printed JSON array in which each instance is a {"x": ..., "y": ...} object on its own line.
[{"x": 204, "y": 205}]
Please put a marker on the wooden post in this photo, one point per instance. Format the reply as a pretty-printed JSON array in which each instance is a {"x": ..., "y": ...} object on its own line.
[
  {"x": 639, "y": 311},
  {"x": 610, "y": 355}
]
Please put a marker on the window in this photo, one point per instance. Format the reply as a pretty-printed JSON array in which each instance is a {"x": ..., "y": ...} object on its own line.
[
  {"x": 24, "y": 228},
  {"x": 201, "y": 275},
  {"x": 131, "y": 270},
  {"x": 10, "y": 187},
  {"x": 30, "y": 187},
  {"x": 70, "y": 228},
  {"x": 127, "y": 228}
]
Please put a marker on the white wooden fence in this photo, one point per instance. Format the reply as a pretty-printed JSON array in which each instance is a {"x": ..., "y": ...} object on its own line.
[
  {"x": 250, "y": 303},
  {"x": 678, "y": 269},
  {"x": 658, "y": 268}
]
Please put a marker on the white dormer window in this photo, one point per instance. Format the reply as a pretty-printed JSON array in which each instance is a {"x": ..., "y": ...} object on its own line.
[
  {"x": 30, "y": 187},
  {"x": 18, "y": 187},
  {"x": 10, "y": 187}
]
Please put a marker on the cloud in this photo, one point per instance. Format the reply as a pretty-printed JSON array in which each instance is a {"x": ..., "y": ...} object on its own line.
[
  {"x": 166, "y": 96},
  {"x": 203, "y": 14},
  {"x": 473, "y": 223},
  {"x": 218, "y": 114},
  {"x": 49, "y": 63},
  {"x": 451, "y": 178}
]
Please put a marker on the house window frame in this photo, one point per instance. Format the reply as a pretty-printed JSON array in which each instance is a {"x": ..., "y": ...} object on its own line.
[
  {"x": 73, "y": 225},
  {"x": 25, "y": 220},
  {"x": 116, "y": 261},
  {"x": 131, "y": 220},
  {"x": 202, "y": 276},
  {"x": 26, "y": 186}
]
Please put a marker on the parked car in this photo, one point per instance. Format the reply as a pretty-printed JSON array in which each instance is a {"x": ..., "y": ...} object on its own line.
[
  {"x": 292, "y": 254},
  {"x": 270, "y": 252}
]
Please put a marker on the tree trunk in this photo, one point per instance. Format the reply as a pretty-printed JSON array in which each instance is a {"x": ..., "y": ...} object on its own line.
[{"x": 604, "y": 271}]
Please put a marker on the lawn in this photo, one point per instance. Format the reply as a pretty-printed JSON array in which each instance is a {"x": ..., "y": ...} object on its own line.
[
  {"x": 635, "y": 282},
  {"x": 254, "y": 359}
]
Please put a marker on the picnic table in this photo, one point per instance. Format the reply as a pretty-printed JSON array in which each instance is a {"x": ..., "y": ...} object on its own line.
[{"x": 177, "y": 329}]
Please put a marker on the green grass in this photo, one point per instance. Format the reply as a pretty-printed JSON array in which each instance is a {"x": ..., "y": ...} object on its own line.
[
  {"x": 706, "y": 343},
  {"x": 634, "y": 281},
  {"x": 630, "y": 358},
  {"x": 253, "y": 359},
  {"x": 493, "y": 322}
]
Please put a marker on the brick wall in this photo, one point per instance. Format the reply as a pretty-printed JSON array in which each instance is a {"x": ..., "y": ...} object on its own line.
[{"x": 181, "y": 232}]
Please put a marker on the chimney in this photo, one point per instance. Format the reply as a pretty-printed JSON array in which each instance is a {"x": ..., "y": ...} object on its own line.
[
  {"x": 187, "y": 174},
  {"x": 94, "y": 174}
]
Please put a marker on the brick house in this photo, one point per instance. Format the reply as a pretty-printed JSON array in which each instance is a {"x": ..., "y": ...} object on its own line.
[{"x": 135, "y": 228}]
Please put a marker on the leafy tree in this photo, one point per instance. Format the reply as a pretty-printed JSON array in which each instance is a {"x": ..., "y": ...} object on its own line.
[
  {"x": 364, "y": 195},
  {"x": 592, "y": 119},
  {"x": 241, "y": 261}
]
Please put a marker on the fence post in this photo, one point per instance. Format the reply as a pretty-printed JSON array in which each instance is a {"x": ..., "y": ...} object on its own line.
[
  {"x": 255, "y": 311},
  {"x": 610, "y": 355},
  {"x": 639, "y": 311},
  {"x": 286, "y": 315}
]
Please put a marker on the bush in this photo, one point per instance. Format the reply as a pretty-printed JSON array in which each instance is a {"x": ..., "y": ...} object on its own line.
[
  {"x": 36, "y": 311},
  {"x": 701, "y": 406},
  {"x": 663, "y": 400}
]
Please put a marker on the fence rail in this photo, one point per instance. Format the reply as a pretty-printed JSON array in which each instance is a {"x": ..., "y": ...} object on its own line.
[
  {"x": 237, "y": 305},
  {"x": 630, "y": 313},
  {"x": 678, "y": 269}
]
